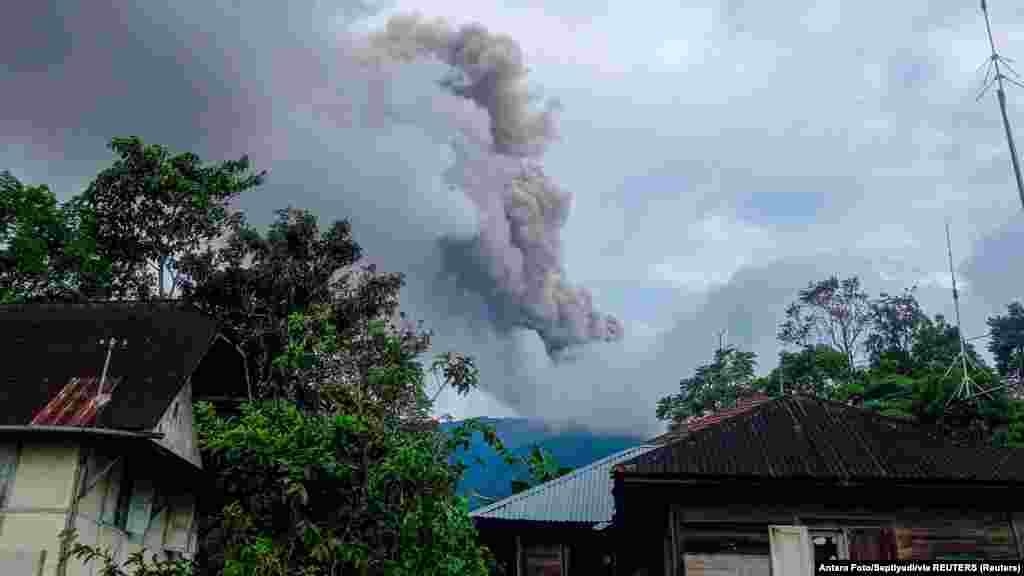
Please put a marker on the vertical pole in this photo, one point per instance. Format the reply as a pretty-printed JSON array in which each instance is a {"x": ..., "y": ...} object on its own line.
[
  {"x": 1001, "y": 96},
  {"x": 1009, "y": 139},
  {"x": 519, "y": 556},
  {"x": 956, "y": 305}
]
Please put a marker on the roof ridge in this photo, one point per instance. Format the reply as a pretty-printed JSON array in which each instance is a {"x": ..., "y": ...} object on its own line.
[
  {"x": 742, "y": 407},
  {"x": 559, "y": 480},
  {"x": 748, "y": 412}
]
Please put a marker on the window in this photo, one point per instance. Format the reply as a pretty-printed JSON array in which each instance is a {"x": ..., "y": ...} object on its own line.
[
  {"x": 131, "y": 502},
  {"x": 791, "y": 550},
  {"x": 543, "y": 560},
  {"x": 828, "y": 545},
  {"x": 124, "y": 496},
  {"x": 8, "y": 466}
]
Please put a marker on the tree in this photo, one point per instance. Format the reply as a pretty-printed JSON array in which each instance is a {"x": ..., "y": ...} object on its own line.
[
  {"x": 152, "y": 207},
  {"x": 815, "y": 370},
  {"x": 1007, "y": 343},
  {"x": 253, "y": 283},
  {"x": 43, "y": 252},
  {"x": 714, "y": 386},
  {"x": 349, "y": 488},
  {"x": 895, "y": 320},
  {"x": 832, "y": 311},
  {"x": 921, "y": 387},
  {"x": 541, "y": 467}
]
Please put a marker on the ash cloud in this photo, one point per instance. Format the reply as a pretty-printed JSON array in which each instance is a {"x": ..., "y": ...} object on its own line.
[{"x": 515, "y": 259}]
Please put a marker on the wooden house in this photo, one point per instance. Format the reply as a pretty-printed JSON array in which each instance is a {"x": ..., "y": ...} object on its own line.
[{"x": 96, "y": 430}]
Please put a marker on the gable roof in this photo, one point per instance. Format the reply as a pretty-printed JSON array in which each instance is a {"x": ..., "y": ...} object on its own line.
[
  {"x": 583, "y": 496},
  {"x": 806, "y": 437},
  {"x": 56, "y": 354}
]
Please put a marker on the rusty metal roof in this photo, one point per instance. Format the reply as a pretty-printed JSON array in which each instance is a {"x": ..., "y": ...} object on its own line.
[
  {"x": 55, "y": 354},
  {"x": 584, "y": 496},
  {"x": 700, "y": 422},
  {"x": 77, "y": 404},
  {"x": 805, "y": 437}
]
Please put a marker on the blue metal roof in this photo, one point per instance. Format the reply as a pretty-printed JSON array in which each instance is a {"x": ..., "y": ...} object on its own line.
[{"x": 583, "y": 495}]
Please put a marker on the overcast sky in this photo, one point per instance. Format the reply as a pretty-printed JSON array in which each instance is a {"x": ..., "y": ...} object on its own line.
[{"x": 721, "y": 156}]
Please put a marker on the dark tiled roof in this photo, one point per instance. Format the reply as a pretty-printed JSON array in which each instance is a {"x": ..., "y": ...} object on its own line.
[
  {"x": 61, "y": 347},
  {"x": 804, "y": 437}
]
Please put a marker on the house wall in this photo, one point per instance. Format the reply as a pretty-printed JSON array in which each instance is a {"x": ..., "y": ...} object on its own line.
[
  {"x": 38, "y": 479},
  {"x": 177, "y": 427},
  {"x": 582, "y": 549},
  {"x": 35, "y": 510},
  {"x": 158, "y": 517},
  {"x": 741, "y": 534}
]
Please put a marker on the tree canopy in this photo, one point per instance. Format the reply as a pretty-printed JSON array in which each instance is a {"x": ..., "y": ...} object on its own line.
[{"x": 913, "y": 367}]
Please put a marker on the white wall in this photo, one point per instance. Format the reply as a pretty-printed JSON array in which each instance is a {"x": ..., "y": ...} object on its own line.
[
  {"x": 177, "y": 427},
  {"x": 37, "y": 504},
  {"x": 41, "y": 478}
]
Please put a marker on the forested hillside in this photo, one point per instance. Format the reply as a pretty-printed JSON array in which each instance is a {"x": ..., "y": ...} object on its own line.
[{"x": 570, "y": 448}]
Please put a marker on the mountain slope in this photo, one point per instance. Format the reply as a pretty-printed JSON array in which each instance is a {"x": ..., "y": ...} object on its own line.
[{"x": 570, "y": 447}]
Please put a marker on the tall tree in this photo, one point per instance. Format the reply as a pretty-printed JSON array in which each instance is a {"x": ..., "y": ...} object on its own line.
[
  {"x": 714, "y": 386},
  {"x": 152, "y": 207},
  {"x": 44, "y": 253},
  {"x": 895, "y": 321},
  {"x": 1007, "y": 342},
  {"x": 253, "y": 283},
  {"x": 831, "y": 311}
]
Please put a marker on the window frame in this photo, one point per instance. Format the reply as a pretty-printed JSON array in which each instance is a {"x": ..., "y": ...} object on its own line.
[
  {"x": 526, "y": 548},
  {"x": 10, "y": 457}
]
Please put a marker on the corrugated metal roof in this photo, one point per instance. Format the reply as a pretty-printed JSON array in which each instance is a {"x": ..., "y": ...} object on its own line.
[
  {"x": 805, "y": 437},
  {"x": 77, "y": 404},
  {"x": 582, "y": 496}
]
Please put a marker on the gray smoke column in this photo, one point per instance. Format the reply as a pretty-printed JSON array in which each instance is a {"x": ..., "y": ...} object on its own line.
[{"x": 514, "y": 261}]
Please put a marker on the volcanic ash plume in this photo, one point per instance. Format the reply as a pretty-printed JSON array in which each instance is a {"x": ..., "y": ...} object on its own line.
[{"x": 514, "y": 261}]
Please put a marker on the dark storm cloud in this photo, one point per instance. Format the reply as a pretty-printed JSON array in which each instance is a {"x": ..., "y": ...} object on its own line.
[{"x": 375, "y": 145}]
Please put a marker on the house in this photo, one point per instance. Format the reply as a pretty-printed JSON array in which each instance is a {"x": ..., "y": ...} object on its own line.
[
  {"x": 96, "y": 430},
  {"x": 559, "y": 527},
  {"x": 782, "y": 485},
  {"x": 564, "y": 526}
]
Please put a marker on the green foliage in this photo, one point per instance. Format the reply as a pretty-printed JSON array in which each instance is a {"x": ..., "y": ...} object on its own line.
[
  {"x": 311, "y": 491},
  {"x": 43, "y": 252},
  {"x": 1007, "y": 343},
  {"x": 357, "y": 487},
  {"x": 541, "y": 467},
  {"x": 152, "y": 207},
  {"x": 815, "y": 370},
  {"x": 253, "y": 284},
  {"x": 1013, "y": 436},
  {"x": 136, "y": 565},
  {"x": 714, "y": 386}
]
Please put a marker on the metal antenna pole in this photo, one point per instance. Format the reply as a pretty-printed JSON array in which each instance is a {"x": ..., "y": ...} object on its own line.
[
  {"x": 994, "y": 62},
  {"x": 964, "y": 390}
]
